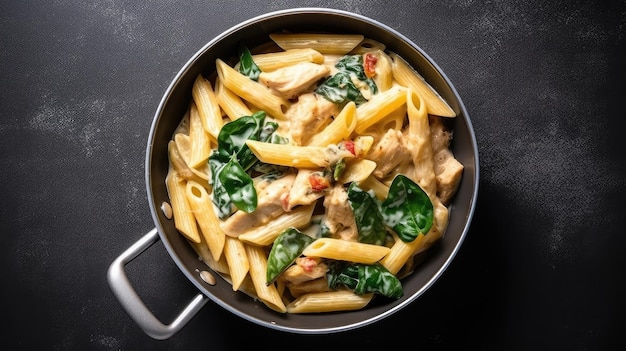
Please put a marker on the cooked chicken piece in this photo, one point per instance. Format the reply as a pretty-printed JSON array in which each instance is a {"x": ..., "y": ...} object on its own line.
[
  {"x": 308, "y": 115},
  {"x": 305, "y": 269},
  {"x": 390, "y": 152},
  {"x": 339, "y": 216},
  {"x": 448, "y": 169},
  {"x": 270, "y": 204},
  {"x": 293, "y": 80}
]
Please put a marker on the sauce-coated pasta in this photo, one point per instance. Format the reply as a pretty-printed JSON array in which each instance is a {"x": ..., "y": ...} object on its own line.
[{"x": 326, "y": 164}]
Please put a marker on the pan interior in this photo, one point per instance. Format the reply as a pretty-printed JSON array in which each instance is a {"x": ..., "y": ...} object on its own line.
[{"x": 255, "y": 32}]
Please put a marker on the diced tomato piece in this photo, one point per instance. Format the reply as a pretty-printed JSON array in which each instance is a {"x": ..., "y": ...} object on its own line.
[
  {"x": 318, "y": 183},
  {"x": 369, "y": 64},
  {"x": 349, "y": 145}
]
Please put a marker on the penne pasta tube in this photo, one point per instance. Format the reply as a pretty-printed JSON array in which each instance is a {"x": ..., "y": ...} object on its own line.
[
  {"x": 289, "y": 155},
  {"x": 200, "y": 144},
  {"x": 344, "y": 250},
  {"x": 237, "y": 259},
  {"x": 184, "y": 219},
  {"x": 368, "y": 45},
  {"x": 338, "y": 44},
  {"x": 251, "y": 91},
  {"x": 420, "y": 143},
  {"x": 206, "y": 218},
  {"x": 341, "y": 300},
  {"x": 357, "y": 170},
  {"x": 384, "y": 73},
  {"x": 208, "y": 107},
  {"x": 230, "y": 102},
  {"x": 400, "y": 253},
  {"x": 339, "y": 129},
  {"x": 268, "y": 294},
  {"x": 408, "y": 77},
  {"x": 274, "y": 60},
  {"x": 265, "y": 235},
  {"x": 379, "y": 107}
]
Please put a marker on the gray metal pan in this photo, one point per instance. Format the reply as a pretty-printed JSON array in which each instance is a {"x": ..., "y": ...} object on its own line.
[{"x": 172, "y": 107}]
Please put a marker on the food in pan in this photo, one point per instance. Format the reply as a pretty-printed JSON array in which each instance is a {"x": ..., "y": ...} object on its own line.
[{"x": 310, "y": 172}]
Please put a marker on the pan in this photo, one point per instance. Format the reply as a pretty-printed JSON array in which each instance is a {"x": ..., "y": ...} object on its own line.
[{"x": 173, "y": 105}]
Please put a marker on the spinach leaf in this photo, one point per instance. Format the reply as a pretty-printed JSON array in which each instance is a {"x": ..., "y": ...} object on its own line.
[
  {"x": 232, "y": 159},
  {"x": 219, "y": 196},
  {"x": 247, "y": 66},
  {"x": 407, "y": 209},
  {"x": 340, "y": 88},
  {"x": 354, "y": 64},
  {"x": 233, "y": 135},
  {"x": 377, "y": 279},
  {"x": 364, "y": 278},
  {"x": 367, "y": 213},
  {"x": 286, "y": 248},
  {"x": 239, "y": 186}
]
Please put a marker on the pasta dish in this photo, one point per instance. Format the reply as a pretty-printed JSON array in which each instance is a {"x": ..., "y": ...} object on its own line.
[{"x": 311, "y": 172}]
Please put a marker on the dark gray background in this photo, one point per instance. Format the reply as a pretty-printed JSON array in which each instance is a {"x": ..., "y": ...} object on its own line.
[{"x": 541, "y": 268}]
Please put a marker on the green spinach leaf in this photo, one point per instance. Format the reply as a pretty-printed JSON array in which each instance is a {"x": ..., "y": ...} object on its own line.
[
  {"x": 247, "y": 66},
  {"x": 367, "y": 213},
  {"x": 364, "y": 278},
  {"x": 407, "y": 209},
  {"x": 233, "y": 159},
  {"x": 239, "y": 186},
  {"x": 340, "y": 88},
  {"x": 286, "y": 248}
]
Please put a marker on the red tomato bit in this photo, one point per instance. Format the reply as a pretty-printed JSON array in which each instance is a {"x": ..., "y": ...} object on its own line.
[{"x": 369, "y": 64}]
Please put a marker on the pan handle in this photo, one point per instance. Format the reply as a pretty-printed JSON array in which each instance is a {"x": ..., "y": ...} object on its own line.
[{"x": 132, "y": 303}]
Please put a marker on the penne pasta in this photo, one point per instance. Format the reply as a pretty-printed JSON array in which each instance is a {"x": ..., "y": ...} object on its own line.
[
  {"x": 400, "y": 253},
  {"x": 342, "y": 300},
  {"x": 338, "y": 44},
  {"x": 208, "y": 107},
  {"x": 368, "y": 45},
  {"x": 265, "y": 235},
  {"x": 357, "y": 171},
  {"x": 251, "y": 91},
  {"x": 184, "y": 219},
  {"x": 268, "y": 294},
  {"x": 383, "y": 76},
  {"x": 206, "y": 218},
  {"x": 339, "y": 129},
  {"x": 419, "y": 142},
  {"x": 231, "y": 103},
  {"x": 379, "y": 107},
  {"x": 200, "y": 144},
  {"x": 237, "y": 259},
  {"x": 408, "y": 77},
  {"x": 274, "y": 60},
  {"x": 290, "y": 155},
  {"x": 344, "y": 250}
]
